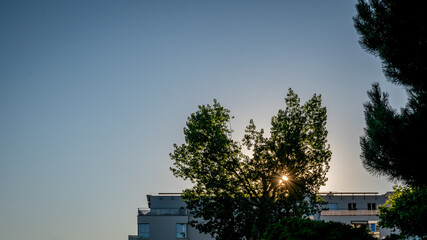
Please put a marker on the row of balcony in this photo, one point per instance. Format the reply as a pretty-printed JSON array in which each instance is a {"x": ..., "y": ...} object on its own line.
[
  {"x": 361, "y": 212},
  {"x": 184, "y": 212}
]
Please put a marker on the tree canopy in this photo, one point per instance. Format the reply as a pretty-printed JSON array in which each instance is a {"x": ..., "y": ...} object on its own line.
[
  {"x": 306, "y": 229},
  {"x": 236, "y": 195},
  {"x": 393, "y": 143},
  {"x": 406, "y": 211},
  {"x": 396, "y": 31}
]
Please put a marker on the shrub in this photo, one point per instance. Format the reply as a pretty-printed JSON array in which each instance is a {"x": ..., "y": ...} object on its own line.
[{"x": 306, "y": 229}]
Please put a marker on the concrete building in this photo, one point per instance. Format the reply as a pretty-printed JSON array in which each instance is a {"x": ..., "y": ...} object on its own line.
[
  {"x": 355, "y": 208},
  {"x": 167, "y": 217}
]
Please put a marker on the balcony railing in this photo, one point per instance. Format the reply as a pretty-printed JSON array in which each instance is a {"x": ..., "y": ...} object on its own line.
[
  {"x": 361, "y": 212},
  {"x": 163, "y": 212}
]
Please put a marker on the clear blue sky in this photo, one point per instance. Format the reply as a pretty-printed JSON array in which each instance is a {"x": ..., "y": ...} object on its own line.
[{"x": 94, "y": 93}]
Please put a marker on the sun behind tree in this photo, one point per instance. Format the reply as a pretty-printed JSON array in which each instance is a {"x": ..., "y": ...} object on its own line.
[{"x": 237, "y": 196}]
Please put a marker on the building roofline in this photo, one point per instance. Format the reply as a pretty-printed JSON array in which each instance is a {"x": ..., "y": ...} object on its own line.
[
  {"x": 170, "y": 194},
  {"x": 349, "y": 193},
  {"x": 320, "y": 193}
]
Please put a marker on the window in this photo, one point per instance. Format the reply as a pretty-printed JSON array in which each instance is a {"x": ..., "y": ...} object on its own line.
[
  {"x": 333, "y": 206},
  {"x": 164, "y": 211},
  {"x": 372, "y": 227},
  {"x": 144, "y": 230},
  {"x": 181, "y": 230},
  {"x": 352, "y": 206},
  {"x": 372, "y": 206}
]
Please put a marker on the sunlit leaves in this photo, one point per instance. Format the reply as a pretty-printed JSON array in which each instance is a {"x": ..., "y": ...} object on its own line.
[{"x": 406, "y": 211}]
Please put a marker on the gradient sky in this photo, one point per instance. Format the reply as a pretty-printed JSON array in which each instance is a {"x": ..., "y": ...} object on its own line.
[{"x": 94, "y": 93}]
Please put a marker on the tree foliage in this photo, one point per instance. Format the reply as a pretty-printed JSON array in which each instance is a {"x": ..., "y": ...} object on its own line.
[
  {"x": 237, "y": 196},
  {"x": 393, "y": 144},
  {"x": 306, "y": 229},
  {"x": 406, "y": 211},
  {"x": 396, "y": 32}
]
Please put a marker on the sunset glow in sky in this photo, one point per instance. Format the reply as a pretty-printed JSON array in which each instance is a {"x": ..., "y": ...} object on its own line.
[{"x": 93, "y": 94}]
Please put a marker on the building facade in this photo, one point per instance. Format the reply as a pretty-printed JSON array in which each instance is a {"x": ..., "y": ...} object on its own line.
[
  {"x": 355, "y": 208},
  {"x": 167, "y": 218}
]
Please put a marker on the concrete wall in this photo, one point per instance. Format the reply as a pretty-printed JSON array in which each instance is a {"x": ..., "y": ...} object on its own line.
[
  {"x": 165, "y": 212},
  {"x": 165, "y": 201},
  {"x": 162, "y": 227},
  {"x": 194, "y": 234},
  {"x": 361, "y": 200},
  {"x": 361, "y": 214}
]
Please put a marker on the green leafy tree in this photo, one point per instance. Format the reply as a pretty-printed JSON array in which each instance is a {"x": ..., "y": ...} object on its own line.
[
  {"x": 306, "y": 229},
  {"x": 394, "y": 236},
  {"x": 236, "y": 196},
  {"x": 396, "y": 32},
  {"x": 406, "y": 211}
]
